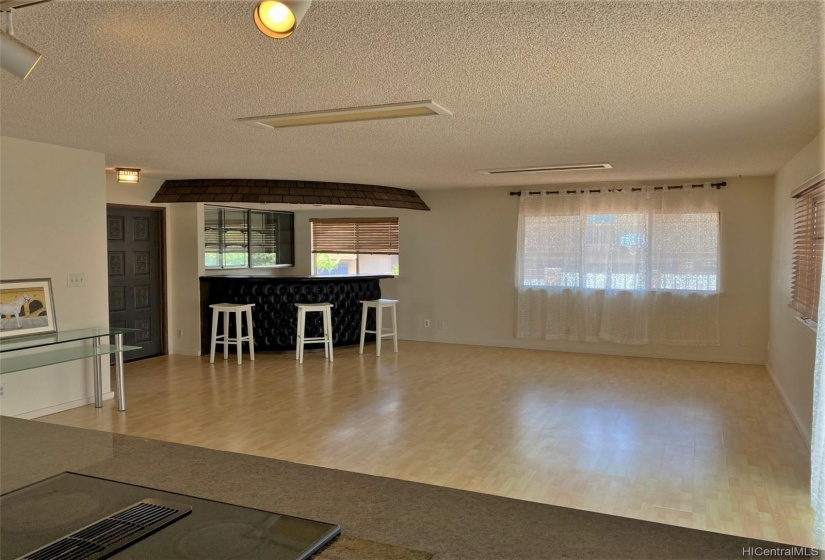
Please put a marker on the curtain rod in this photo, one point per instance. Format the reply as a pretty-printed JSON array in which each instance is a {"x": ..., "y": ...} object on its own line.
[{"x": 632, "y": 189}]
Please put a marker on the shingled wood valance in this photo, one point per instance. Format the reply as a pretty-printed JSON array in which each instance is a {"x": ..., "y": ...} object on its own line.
[{"x": 278, "y": 191}]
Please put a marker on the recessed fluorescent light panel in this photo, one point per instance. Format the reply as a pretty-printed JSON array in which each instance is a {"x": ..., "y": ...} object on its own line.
[
  {"x": 351, "y": 114},
  {"x": 547, "y": 168}
]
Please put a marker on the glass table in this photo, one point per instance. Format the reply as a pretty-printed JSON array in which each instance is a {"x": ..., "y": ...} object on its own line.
[{"x": 50, "y": 353}]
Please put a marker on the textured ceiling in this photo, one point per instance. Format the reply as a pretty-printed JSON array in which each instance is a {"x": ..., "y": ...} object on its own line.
[{"x": 661, "y": 90}]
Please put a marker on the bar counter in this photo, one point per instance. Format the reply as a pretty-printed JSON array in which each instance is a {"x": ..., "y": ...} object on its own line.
[{"x": 275, "y": 315}]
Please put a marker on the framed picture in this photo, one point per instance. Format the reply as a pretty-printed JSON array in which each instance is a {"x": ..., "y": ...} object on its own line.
[{"x": 26, "y": 307}]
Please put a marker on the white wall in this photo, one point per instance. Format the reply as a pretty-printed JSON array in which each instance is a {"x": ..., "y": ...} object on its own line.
[
  {"x": 457, "y": 266},
  {"x": 53, "y": 223},
  {"x": 792, "y": 344},
  {"x": 185, "y": 254},
  {"x": 457, "y": 269}
]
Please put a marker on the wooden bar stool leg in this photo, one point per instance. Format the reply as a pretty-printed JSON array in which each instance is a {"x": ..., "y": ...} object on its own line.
[
  {"x": 303, "y": 333},
  {"x": 364, "y": 310},
  {"x": 325, "y": 332},
  {"x": 225, "y": 334},
  {"x": 394, "y": 330},
  {"x": 215, "y": 315},
  {"x": 251, "y": 337},
  {"x": 298, "y": 335},
  {"x": 328, "y": 315},
  {"x": 239, "y": 336},
  {"x": 301, "y": 327},
  {"x": 379, "y": 330}
]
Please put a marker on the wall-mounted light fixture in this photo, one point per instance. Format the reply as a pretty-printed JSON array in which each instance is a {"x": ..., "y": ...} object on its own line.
[
  {"x": 127, "y": 175},
  {"x": 278, "y": 19}
]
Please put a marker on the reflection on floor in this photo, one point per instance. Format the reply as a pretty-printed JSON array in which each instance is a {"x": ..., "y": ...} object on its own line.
[{"x": 697, "y": 444}]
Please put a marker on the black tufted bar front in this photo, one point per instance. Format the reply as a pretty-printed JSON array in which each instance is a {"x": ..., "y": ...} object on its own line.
[{"x": 275, "y": 316}]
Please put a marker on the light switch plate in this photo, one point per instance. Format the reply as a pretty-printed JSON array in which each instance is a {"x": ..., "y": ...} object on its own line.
[{"x": 77, "y": 280}]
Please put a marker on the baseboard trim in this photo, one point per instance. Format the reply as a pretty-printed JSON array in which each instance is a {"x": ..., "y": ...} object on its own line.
[
  {"x": 803, "y": 431},
  {"x": 629, "y": 352},
  {"x": 63, "y": 406},
  {"x": 185, "y": 352}
]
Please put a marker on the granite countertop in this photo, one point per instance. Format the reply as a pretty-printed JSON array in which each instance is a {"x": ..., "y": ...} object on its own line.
[
  {"x": 31, "y": 451},
  {"x": 403, "y": 519}
]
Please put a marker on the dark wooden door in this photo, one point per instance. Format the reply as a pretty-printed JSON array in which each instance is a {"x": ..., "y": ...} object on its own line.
[{"x": 136, "y": 277}]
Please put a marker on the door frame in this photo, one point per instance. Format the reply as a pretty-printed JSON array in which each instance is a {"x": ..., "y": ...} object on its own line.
[{"x": 164, "y": 311}]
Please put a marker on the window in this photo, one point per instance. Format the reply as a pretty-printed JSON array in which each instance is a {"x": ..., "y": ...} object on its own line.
[
  {"x": 628, "y": 266},
  {"x": 354, "y": 246},
  {"x": 238, "y": 238},
  {"x": 809, "y": 230},
  {"x": 627, "y": 243},
  {"x": 623, "y": 251}
]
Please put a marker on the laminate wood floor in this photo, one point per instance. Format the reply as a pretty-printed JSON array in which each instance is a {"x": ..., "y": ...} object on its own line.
[{"x": 696, "y": 444}]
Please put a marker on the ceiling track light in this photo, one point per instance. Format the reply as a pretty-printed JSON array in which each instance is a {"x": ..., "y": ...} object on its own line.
[
  {"x": 278, "y": 19},
  {"x": 127, "y": 174},
  {"x": 7, "y": 5},
  {"x": 16, "y": 56}
]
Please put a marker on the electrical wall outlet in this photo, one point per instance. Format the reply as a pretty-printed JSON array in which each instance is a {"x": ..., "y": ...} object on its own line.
[
  {"x": 2, "y": 391},
  {"x": 426, "y": 323},
  {"x": 180, "y": 333},
  {"x": 77, "y": 280}
]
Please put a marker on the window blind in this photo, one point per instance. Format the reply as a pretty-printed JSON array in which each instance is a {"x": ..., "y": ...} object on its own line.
[
  {"x": 375, "y": 236},
  {"x": 236, "y": 238},
  {"x": 809, "y": 231}
]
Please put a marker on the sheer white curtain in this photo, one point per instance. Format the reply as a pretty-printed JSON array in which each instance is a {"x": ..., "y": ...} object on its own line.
[{"x": 629, "y": 266}]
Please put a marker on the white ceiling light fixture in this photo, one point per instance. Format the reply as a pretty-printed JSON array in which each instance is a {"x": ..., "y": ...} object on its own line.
[
  {"x": 16, "y": 56},
  {"x": 6, "y": 5},
  {"x": 351, "y": 114},
  {"x": 546, "y": 168},
  {"x": 278, "y": 19}
]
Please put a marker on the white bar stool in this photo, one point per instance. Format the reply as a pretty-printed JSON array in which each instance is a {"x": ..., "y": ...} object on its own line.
[
  {"x": 325, "y": 309},
  {"x": 379, "y": 305},
  {"x": 238, "y": 309}
]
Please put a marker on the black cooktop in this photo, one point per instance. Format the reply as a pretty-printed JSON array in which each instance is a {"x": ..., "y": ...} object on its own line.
[{"x": 38, "y": 514}]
